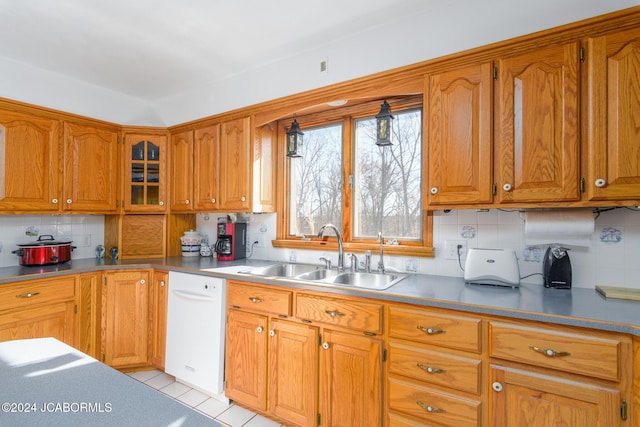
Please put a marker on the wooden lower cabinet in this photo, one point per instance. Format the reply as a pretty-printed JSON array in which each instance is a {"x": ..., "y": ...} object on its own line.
[
  {"x": 89, "y": 314},
  {"x": 39, "y": 309},
  {"x": 350, "y": 380},
  {"x": 522, "y": 398},
  {"x": 125, "y": 318},
  {"x": 300, "y": 371},
  {"x": 159, "y": 292}
]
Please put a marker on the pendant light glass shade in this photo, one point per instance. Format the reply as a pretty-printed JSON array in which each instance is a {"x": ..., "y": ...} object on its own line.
[
  {"x": 383, "y": 125},
  {"x": 294, "y": 139}
]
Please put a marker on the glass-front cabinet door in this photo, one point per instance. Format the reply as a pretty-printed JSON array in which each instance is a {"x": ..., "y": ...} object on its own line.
[{"x": 145, "y": 173}]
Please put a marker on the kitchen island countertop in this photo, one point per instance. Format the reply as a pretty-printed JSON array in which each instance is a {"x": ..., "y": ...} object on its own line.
[{"x": 574, "y": 307}]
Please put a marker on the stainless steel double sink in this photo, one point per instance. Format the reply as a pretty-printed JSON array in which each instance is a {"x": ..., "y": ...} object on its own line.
[{"x": 319, "y": 274}]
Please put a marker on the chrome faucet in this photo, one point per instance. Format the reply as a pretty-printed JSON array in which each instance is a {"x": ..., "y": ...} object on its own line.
[
  {"x": 367, "y": 261},
  {"x": 380, "y": 261},
  {"x": 340, "y": 248},
  {"x": 354, "y": 262}
]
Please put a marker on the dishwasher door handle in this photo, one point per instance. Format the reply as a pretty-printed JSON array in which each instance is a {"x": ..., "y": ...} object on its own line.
[{"x": 192, "y": 296}]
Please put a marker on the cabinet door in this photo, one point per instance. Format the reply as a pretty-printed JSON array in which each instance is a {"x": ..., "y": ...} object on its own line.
[
  {"x": 159, "y": 294},
  {"x": 235, "y": 165},
  {"x": 350, "y": 380},
  {"x": 90, "y": 169},
  {"x": 293, "y": 374},
  {"x": 537, "y": 133},
  {"x": 29, "y": 163},
  {"x": 613, "y": 134},
  {"x": 206, "y": 168},
  {"x": 181, "y": 172},
  {"x": 264, "y": 170},
  {"x": 125, "y": 301},
  {"x": 89, "y": 314},
  {"x": 246, "y": 358},
  {"x": 521, "y": 398},
  {"x": 145, "y": 173},
  {"x": 55, "y": 320},
  {"x": 460, "y": 136}
]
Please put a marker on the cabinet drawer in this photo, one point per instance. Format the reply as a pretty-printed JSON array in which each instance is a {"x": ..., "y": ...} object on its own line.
[
  {"x": 427, "y": 327},
  {"x": 356, "y": 315},
  {"x": 433, "y": 406},
  {"x": 259, "y": 299},
  {"x": 557, "y": 348},
  {"x": 28, "y": 293},
  {"x": 447, "y": 370}
]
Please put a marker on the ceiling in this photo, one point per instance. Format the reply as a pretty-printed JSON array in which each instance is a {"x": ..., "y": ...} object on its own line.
[{"x": 152, "y": 49}]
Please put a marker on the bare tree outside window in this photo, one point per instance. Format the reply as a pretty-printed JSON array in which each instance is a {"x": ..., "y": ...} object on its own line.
[
  {"x": 316, "y": 181},
  {"x": 387, "y": 182}
]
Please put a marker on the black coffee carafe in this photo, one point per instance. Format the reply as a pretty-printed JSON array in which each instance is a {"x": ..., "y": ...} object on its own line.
[{"x": 556, "y": 268}]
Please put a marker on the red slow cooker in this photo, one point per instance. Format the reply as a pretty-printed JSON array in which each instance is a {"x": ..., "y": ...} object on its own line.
[{"x": 46, "y": 250}]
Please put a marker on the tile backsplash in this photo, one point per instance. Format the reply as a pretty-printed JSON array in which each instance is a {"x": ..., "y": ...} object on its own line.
[
  {"x": 611, "y": 258},
  {"x": 86, "y": 232}
]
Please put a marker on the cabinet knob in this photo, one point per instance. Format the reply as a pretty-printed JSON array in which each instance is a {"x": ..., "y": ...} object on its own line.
[
  {"x": 54, "y": 201},
  {"x": 161, "y": 203},
  {"x": 213, "y": 200},
  {"x": 28, "y": 295},
  {"x": 429, "y": 408},
  {"x": 325, "y": 345},
  {"x": 69, "y": 201},
  {"x": 186, "y": 202},
  {"x": 601, "y": 182},
  {"x": 259, "y": 330},
  {"x": 334, "y": 313},
  {"x": 162, "y": 283},
  {"x": 430, "y": 369},
  {"x": 549, "y": 352},
  {"x": 272, "y": 333},
  {"x": 496, "y": 386},
  {"x": 431, "y": 331},
  {"x": 507, "y": 187},
  {"x": 243, "y": 199},
  {"x": 142, "y": 281},
  {"x": 434, "y": 190}
]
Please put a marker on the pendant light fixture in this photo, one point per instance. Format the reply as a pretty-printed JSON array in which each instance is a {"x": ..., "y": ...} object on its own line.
[
  {"x": 294, "y": 139},
  {"x": 383, "y": 125}
]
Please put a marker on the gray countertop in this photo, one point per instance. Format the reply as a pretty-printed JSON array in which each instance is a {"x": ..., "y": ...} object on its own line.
[{"x": 574, "y": 307}]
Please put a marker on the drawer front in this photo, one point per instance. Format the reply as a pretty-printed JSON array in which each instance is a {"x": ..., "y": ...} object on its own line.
[
  {"x": 433, "y": 406},
  {"x": 447, "y": 370},
  {"x": 444, "y": 330},
  {"x": 556, "y": 348},
  {"x": 257, "y": 298},
  {"x": 351, "y": 314},
  {"x": 24, "y": 294}
]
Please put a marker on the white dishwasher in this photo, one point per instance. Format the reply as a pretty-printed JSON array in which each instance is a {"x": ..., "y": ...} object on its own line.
[{"x": 196, "y": 332}]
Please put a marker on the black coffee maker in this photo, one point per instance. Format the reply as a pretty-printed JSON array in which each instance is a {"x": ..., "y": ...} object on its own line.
[{"x": 556, "y": 268}]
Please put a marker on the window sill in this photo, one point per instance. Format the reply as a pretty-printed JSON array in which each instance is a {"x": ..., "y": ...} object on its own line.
[{"x": 332, "y": 245}]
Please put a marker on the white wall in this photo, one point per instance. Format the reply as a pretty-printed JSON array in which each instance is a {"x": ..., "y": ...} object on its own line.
[
  {"x": 414, "y": 38},
  {"x": 601, "y": 263}
]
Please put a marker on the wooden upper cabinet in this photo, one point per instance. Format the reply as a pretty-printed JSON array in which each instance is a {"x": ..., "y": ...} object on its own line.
[
  {"x": 235, "y": 165},
  {"x": 29, "y": 163},
  {"x": 206, "y": 149},
  {"x": 90, "y": 169},
  {"x": 460, "y": 135},
  {"x": 613, "y": 116},
  {"x": 145, "y": 177},
  {"x": 264, "y": 171},
  {"x": 181, "y": 172},
  {"x": 537, "y": 126}
]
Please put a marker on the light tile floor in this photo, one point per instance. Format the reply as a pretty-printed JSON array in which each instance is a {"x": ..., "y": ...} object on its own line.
[{"x": 228, "y": 414}]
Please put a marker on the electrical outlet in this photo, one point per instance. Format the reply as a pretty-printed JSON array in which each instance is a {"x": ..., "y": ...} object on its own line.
[
  {"x": 451, "y": 249},
  {"x": 260, "y": 238}
]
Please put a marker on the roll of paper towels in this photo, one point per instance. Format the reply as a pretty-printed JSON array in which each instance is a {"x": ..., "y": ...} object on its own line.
[{"x": 570, "y": 227}]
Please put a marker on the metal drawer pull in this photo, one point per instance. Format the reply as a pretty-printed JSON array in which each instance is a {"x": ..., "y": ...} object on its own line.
[
  {"x": 334, "y": 313},
  {"x": 430, "y": 369},
  {"x": 431, "y": 331},
  {"x": 549, "y": 352},
  {"x": 429, "y": 408},
  {"x": 28, "y": 295},
  {"x": 255, "y": 300}
]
